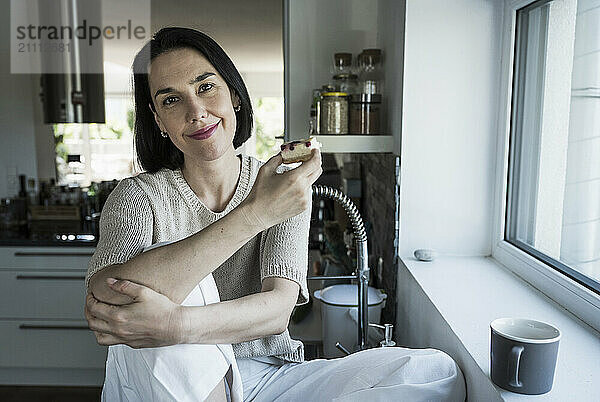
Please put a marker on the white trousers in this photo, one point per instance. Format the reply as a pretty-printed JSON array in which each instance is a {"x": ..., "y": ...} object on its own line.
[
  {"x": 382, "y": 374},
  {"x": 178, "y": 373}
]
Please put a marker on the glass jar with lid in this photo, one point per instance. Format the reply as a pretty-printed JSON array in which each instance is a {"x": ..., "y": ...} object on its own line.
[
  {"x": 334, "y": 113},
  {"x": 365, "y": 114},
  {"x": 317, "y": 100}
]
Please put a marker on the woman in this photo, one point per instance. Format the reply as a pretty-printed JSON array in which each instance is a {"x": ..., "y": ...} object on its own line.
[{"x": 243, "y": 221}]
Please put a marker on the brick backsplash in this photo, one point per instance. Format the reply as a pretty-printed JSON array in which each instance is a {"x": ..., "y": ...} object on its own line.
[{"x": 377, "y": 172}]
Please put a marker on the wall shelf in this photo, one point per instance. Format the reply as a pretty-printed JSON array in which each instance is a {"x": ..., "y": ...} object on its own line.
[
  {"x": 356, "y": 143},
  {"x": 314, "y": 30}
]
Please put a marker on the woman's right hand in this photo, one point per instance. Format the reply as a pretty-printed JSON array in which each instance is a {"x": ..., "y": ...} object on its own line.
[{"x": 276, "y": 197}]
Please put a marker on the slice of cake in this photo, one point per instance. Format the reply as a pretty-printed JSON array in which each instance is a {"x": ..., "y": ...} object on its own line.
[{"x": 299, "y": 151}]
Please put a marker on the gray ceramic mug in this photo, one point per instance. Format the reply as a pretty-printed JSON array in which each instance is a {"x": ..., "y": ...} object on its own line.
[{"x": 523, "y": 355}]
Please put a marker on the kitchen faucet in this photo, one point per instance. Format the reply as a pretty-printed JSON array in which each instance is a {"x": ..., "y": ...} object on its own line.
[{"x": 362, "y": 259}]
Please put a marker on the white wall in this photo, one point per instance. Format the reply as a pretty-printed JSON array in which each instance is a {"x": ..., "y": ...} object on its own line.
[{"x": 451, "y": 90}]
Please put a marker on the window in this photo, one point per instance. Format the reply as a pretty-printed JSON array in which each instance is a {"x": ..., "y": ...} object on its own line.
[
  {"x": 553, "y": 198},
  {"x": 105, "y": 151},
  {"x": 268, "y": 125}
]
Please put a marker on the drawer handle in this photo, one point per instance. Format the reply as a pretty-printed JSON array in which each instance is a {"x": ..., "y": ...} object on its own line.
[
  {"x": 67, "y": 277},
  {"x": 56, "y": 326},
  {"x": 46, "y": 254}
]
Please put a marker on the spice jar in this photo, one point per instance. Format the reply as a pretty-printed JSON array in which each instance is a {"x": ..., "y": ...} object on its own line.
[
  {"x": 334, "y": 113},
  {"x": 365, "y": 114}
]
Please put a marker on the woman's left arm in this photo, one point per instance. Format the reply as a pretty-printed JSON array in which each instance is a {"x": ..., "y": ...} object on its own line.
[{"x": 153, "y": 320}]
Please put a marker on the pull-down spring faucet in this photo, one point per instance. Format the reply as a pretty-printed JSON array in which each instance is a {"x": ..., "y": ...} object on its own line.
[{"x": 362, "y": 258}]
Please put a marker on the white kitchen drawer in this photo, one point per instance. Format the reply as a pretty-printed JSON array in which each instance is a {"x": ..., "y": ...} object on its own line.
[
  {"x": 50, "y": 258},
  {"x": 45, "y": 344},
  {"x": 42, "y": 294}
]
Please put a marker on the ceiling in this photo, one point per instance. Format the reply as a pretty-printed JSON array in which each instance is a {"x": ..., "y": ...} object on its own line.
[{"x": 250, "y": 31}]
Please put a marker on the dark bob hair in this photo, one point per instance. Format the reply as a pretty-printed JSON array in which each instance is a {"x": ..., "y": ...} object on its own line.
[{"x": 153, "y": 151}]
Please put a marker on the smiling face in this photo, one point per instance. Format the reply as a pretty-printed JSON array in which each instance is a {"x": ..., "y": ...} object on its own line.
[{"x": 193, "y": 104}]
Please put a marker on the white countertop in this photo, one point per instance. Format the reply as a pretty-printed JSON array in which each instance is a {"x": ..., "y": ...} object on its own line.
[{"x": 470, "y": 292}]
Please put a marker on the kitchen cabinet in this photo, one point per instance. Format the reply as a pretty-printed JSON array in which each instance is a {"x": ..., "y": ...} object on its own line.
[
  {"x": 313, "y": 31},
  {"x": 43, "y": 332}
]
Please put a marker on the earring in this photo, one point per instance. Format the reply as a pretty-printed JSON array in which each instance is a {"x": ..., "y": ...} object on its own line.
[
  {"x": 164, "y": 134},
  {"x": 237, "y": 108}
]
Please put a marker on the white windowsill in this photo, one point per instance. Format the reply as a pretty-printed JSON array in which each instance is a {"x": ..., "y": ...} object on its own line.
[{"x": 470, "y": 292}]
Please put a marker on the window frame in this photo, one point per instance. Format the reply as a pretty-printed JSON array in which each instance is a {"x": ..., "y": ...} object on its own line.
[{"x": 571, "y": 295}]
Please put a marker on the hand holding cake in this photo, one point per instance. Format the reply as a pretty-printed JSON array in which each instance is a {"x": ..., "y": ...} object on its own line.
[
  {"x": 299, "y": 151},
  {"x": 278, "y": 195}
]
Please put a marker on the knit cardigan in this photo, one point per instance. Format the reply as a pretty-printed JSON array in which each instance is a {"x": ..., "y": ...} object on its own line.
[{"x": 161, "y": 207}]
